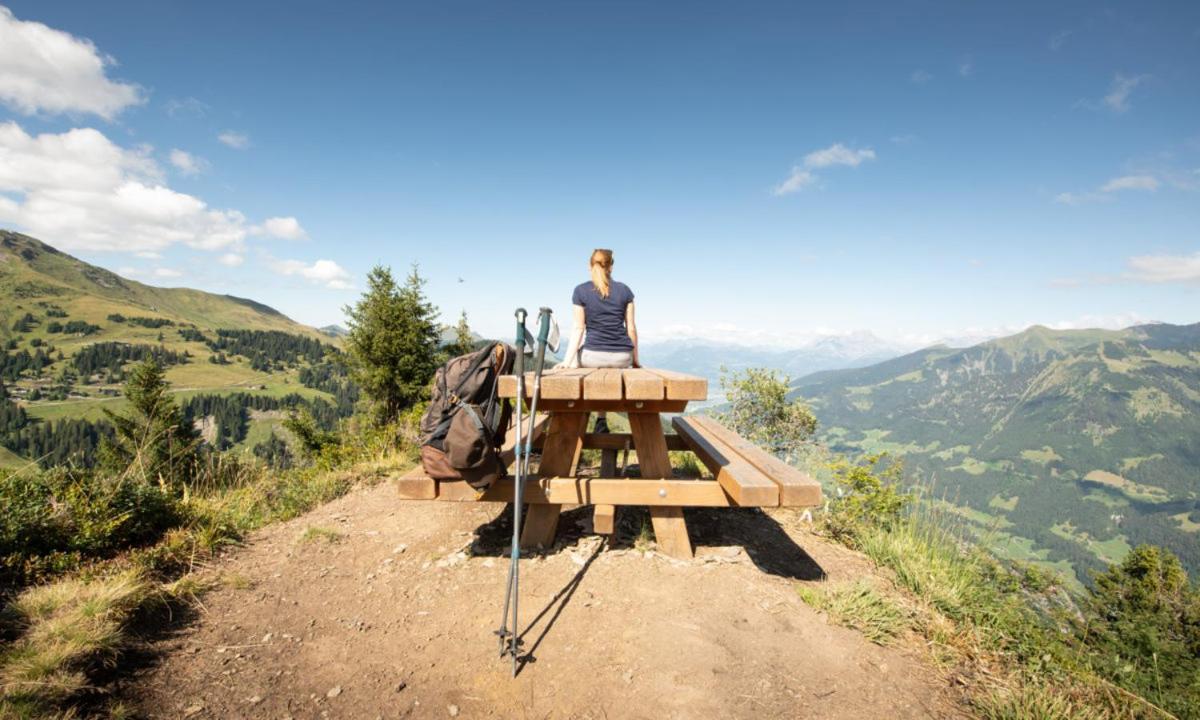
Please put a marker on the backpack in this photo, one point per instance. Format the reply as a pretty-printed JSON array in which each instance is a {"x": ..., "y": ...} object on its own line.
[{"x": 465, "y": 423}]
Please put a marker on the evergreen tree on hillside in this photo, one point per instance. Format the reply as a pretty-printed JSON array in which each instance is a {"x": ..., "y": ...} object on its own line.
[
  {"x": 463, "y": 341},
  {"x": 1143, "y": 624},
  {"x": 153, "y": 440},
  {"x": 392, "y": 342}
]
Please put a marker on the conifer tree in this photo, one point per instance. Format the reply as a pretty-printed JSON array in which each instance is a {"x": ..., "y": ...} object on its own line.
[
  {"x": 153, "y": 440},
  {"x": 392, "y": 342},
  {"x": 464, "y": 342}
]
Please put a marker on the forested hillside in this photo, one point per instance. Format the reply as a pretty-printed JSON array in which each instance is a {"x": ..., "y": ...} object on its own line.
[
  {"x": 1065, "y": 448},
  {"x": 70, "y": 332}
]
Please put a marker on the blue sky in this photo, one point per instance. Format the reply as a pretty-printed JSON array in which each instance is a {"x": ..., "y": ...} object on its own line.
[{"x": 762, "y": 171}]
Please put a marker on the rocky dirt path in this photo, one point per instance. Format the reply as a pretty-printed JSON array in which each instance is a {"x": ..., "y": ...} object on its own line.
[{"x": 394, "y": 616}]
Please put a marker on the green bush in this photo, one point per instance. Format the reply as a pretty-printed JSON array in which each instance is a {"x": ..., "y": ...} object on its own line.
[{"x": 868, "y": 495}]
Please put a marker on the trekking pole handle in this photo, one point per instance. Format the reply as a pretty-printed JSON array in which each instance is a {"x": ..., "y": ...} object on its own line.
[
  {"x": 520, "y": 359},
  {"x": 543, "y": 335}
]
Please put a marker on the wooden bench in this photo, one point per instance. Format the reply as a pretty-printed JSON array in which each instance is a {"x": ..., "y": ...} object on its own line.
[{"x": 743, "y": 474}]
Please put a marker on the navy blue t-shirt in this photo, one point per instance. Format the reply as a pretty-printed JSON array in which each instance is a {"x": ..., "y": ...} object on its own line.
[{"x": 605, "y": 316}]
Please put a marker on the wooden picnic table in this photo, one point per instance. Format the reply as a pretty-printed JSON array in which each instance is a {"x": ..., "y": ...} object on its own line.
[{"x": 743, "y": 474}]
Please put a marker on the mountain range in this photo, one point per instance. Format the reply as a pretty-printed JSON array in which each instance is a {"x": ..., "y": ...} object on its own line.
[{"x": 1064, "y": 447}]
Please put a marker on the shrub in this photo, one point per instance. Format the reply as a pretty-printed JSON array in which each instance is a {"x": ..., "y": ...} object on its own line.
[{"x": 869, "y": 494}]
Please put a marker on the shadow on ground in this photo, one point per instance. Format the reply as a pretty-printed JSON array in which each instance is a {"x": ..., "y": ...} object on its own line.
[{"x": 766, "y": 543}]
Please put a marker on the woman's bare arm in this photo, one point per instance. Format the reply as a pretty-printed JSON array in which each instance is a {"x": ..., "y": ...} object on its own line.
[
  {"x": 580, "y": 322},
  {"x": 631, "y": 327}
]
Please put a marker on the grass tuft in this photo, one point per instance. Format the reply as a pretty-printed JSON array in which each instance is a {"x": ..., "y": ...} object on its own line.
[
  {"x": 861, "y": 606},
  {"x": 314, "y": 534}
]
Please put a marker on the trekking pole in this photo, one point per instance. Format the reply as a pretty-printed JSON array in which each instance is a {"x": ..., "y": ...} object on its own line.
[
  {"x": 522, "y": 476},
  {"x": 519, "y": 367},
  {"x": 544, "y": 336}
]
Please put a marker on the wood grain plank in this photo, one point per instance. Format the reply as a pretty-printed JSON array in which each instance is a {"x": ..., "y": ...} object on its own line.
[
  {"x": 670, "y": 529},
  {"x": 643, "y": 385},
  {"x": 604, "y": 519},
  {"x": 593, "y": 491},
  {"x": 746, "y": 484},
  {"x": 796, "y": 488},
  {"x": 603, "y": 384},
  {"x": 680, "y": 386},
  {"x": 560, "y": 456}
]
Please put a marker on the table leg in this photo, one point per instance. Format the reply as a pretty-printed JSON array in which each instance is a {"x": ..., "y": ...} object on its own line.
[
  {"x": 560, "y": 458},
  {"x": 670, "y": 529},
  {"x": 604, "y": 519}
]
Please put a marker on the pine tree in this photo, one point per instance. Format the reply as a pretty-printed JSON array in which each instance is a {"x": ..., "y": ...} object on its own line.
[
  {"x": 393, "y": 341},
  {"x": 154, "y": 440},
  {"x": 464, "y": 342}
]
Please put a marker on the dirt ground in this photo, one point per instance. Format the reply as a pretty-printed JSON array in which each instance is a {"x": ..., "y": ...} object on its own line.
[{"x": 393, "y": 617}]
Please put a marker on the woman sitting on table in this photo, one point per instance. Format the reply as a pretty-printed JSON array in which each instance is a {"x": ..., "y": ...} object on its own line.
[{"x": 604, "y": 308}]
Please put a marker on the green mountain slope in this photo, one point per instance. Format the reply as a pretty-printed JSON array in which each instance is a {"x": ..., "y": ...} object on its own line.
[
  {"x": 32, "y": 271},
  {"x": 1064, "y": 446},
  {"x": 69, "y": 330}
]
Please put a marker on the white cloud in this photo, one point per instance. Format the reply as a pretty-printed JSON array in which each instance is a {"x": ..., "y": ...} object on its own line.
[
  {"x": 285, "y": 228},
  {"x": 1130, "y": 182},
  {"x": 231, "y": 259},
  {"x": 186, "y": 107},
  {"x": 838, "y": 154},
  {"x": 797, "y": 181},
  {"x": 321, "y": 272},
  {"x": 1162, "y": 269},
  {"x": 187, "y": 163},
  {"x": 1123, "y": 86},
  {"x": 235, "y": 140},
  {"x": 966, "y": 67},
  {"x": 1104, "y": 193},
  {"x": 80, "y": 191},
  {"x": 1059, "y": 39},
  {"x": 163, "y": 272},
  {"x": 51, "y": 71},
  {"x": 919, "y": 77}
]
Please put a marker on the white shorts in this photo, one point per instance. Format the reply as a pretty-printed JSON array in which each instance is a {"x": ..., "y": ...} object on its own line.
[{"x": 605, "y": 359}]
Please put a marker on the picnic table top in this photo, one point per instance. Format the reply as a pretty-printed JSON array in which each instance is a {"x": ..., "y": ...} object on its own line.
[{"x": 610, "y": 384}]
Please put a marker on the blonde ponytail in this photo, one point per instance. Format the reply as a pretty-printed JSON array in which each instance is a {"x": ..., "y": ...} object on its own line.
[{"x": 602, "y": 262}]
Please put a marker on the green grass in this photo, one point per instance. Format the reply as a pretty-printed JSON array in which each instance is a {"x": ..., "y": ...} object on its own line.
[
  {"x": 859, "y": 605},
  {"x": 319, "y": 535},
  {"x": 1128, "y": 488}
]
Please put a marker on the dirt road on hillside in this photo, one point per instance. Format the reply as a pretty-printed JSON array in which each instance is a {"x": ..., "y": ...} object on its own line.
[{"x": 375, "y": 607}]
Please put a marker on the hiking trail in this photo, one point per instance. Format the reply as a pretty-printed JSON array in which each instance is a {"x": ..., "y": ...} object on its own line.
[{"x": 370, "y": 607}]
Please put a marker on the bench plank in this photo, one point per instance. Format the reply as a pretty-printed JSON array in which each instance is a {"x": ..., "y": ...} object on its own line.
[
  {"x": 746, "y": 484},
  {"x": 641, "y": 384},
  {"x": 681, "y": 386},
  {"x": 796, "y": 488},
  {"x": 571, "y": 491},
  {"x": 603, "y": 384}
]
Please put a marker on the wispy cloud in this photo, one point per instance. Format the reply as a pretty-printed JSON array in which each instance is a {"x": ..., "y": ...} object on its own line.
[
  {"x": 235, "y": 140},
  {"x": 966, "y": 67},
  {"x": 1145, "y": 183},
  {"x": 803, "y": 176},
  {"x": 1130, "y": 182},
  {"x": 187, "y": 163},
  {"x": 1122, "y": 87},
  {"x": 1058, "y": 39},
  {"x": 43, "y": 70},
  {"x": 920, "y": 77},
  {"x": 838, "y": 154},
  {"x": 186, "y": 107},
  {"x": 231, "y": 259},
  {"x": 1164, "y": 269},
  {"x": 167, "y": 273}
]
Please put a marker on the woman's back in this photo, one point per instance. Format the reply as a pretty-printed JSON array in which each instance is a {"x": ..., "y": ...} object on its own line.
[{"x": 605, "y": 316}]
